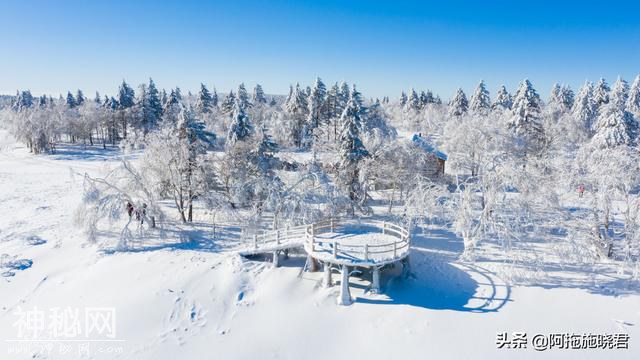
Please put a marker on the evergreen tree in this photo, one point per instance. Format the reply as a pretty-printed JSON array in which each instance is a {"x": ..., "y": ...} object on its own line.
[
  {"x": 204, "y": 102},
  {"x": 584, "y": 107},
  {"x": 633, "y": 103},
  {"x": 480, "y": 101},
  {"x": 79, "y": 98},
  {"x": 403, "y": 99},
  {"x": 459, "y": 105},
  {"x": 214, "y": 98},
  {"x": 315, "y": 117},
  {"x": 601, "y": 93},
  {"x": 615, "y": 126},
  {"x": 503, "y": 100},
  {"x": 71, "y": 100},
  {"x": 527, "y": 120},
  {"x": 567, "y": 98},
  {"x": 98, "y": 99},
  {"x": 352, "y": 150},
  {"x": 413, "y": 103},
  {"x": 243, "y": 97},
  {"x": 240, "y": 128},
  {"x": 126, "y": 96},
  {"x": 229, "y": 103},
  {"x": 258, "y": 95},
  {"x": 297, "y": 108},
  {"x": 150, "y": 106}
]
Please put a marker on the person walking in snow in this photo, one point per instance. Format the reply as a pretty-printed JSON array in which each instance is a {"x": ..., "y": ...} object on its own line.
[
  {"x": 129, "y": 209},
  {"x": 580, "y": 190}
]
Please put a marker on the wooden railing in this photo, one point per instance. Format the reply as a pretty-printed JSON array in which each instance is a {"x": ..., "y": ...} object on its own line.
[
  {"x": 307, "y": 235},
  {"x": 391, "y": 250}
]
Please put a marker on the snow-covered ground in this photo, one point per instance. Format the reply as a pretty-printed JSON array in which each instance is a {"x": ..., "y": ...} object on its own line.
[{"x": 203, "y": 302}]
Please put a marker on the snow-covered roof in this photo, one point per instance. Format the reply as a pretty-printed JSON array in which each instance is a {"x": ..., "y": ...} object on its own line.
[{"x": 426, "y": 144}]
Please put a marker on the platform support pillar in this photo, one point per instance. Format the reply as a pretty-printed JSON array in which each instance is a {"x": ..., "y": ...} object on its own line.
[
  {"x": 276, "y": 259},
  {"x": 345, "y": 295},
  {"x": 375, "y": 286},
  {"x": 313, "y": 263},
  {"x": 326, "y": 281}
]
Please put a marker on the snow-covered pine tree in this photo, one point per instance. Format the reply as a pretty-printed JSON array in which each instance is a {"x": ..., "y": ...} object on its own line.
[
  {"x": 352, "y": 151},
  {"x": 459, "y": 105},
  {"x": 126, "y": 101},
  {"x": 71, "y": 100},
  {"x": 154, "y": 106},
  {"x": 601, "y": 93},
  {"x": 80, "y": 98},
  {"x": 615, "y": 126},
  {"x": 503, "y": 100},
  {"x": 297, "y": 109},
  {"x": 633, "y": 103},
  {"x": 403, "y": 99},
  {"x": 243, "y": 97},
  {"x": 214, "y": 98},
  {"x": 204, "y": 101},
  {"x": 258, "y": 95},
  {"x": 229, "y": 103},
  {"x": 241, "y": 127},
  {"x": 480, "y": 102},
  {"x": 413, "y": 103},
  {"x": 526, "y": 121},
  {"x": 567, "y": 98},
  {"x": 584, "y": 107},
  {"x": 315, "y": 117}
]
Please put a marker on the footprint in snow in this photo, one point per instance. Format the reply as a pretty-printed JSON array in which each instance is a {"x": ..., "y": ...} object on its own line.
[{"x": 34, "y": 240}]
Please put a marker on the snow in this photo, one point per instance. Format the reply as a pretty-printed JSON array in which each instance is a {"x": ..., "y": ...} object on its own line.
[{"x": 202, "y": 302}]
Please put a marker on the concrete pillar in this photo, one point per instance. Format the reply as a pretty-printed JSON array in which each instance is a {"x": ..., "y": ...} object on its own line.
[
  {"x": 276, "y": 259},
  {"x": 345, "y": 295},
  {"x": 326, "y": 281},
  {"x": 375, "y": 286},
  {"x": 313, "y": 263}
]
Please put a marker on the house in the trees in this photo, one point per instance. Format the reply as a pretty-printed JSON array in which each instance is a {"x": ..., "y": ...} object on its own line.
[{"x": 434, "y": 163}]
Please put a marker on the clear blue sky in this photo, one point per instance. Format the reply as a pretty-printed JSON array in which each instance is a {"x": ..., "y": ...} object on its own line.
[{"x": 384, "y": 47}]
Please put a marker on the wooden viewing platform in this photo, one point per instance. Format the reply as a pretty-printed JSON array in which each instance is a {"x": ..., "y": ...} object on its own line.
[{"x": 335, "y": 243}]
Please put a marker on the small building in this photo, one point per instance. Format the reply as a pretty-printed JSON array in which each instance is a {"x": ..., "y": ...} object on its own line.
[{"x": 435, "y": 162}]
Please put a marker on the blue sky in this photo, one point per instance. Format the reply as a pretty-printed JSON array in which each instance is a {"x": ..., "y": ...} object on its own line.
[{"x": 383, "y": 46}]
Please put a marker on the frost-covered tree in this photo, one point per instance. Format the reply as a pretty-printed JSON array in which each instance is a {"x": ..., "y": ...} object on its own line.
[
  {"x": 480, "y": 102},
  {"x": 229, "y": 103},
  {"x": 297, "y": 109},
  {"x": 584, "y": 107},
  {"x": 458, "y": 105},
  {"x": 403, "y": 99},
  {"x": 352, "y": 151},
  {"x": 241, "y": 127},
  {"x": 80, "y": 98},
  {"x": 204, "y": 100},
  {"x": 601, "y": 93},
  {"x": 315, "y": 116},
  {"x": 633, "y": 103},
  {"x": 243, "y": 97},
  {"x": 526, "y": 121},
  {"x": 503, "y": 101},
  {"x": 413, "y": 102},
  {"x": 258, "y": 95},
  {"x": 151, "y": 108},
  {"x": 71, "y": 100},
  {"x": 126, "y": 102},
  {"x": 615, "y": 126}
]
